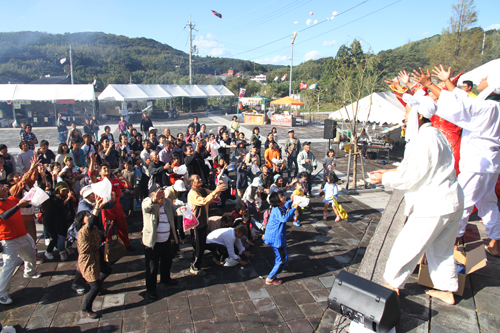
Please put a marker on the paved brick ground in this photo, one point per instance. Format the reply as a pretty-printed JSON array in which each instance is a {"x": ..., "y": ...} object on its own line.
[{"x": 226, "y": 299}]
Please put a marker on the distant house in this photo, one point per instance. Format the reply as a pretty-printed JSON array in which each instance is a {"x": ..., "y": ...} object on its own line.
[
  {"x": 60, "y": 79},
  {"x": 261, "y": 78}
]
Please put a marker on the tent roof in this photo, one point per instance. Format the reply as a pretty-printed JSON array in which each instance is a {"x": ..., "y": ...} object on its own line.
[
  {"x": 481, "y": 72},
  {"x": 385, "y": 108},
  {"x": 46, "y": 92},
  {"x": 287, "y": 101},
  {"x": 128, "y": 92}
]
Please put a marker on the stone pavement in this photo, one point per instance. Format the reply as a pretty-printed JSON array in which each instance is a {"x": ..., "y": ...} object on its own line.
[{"x": 226, "y": 299}]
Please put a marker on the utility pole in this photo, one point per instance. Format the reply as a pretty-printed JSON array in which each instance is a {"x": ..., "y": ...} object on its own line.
[
  {"x": 291, "y": 65},
  {"x": 71, "y": 64},
  {"x": 192, "y": 48}
]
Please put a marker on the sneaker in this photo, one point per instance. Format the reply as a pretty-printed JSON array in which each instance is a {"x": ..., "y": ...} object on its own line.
[
  {"x": 6, "y": 300},
  {"x": 39, "y": 260},
  {"x": 63, "y": 255},
  {"x": 90, "y": 314},
  {"x": 196, "y": 271},
  {"x": 325, "y": 217},
  {"x": 295, "y": 223},
  {"x": 338, "y": 219},
  {"x": 230, "y": 262},
  {"x": 70, "y": 251},
  {"x": 49, "y": 255},
  {"x": 34, "y": 276},
  {"x": 79, "y": 289},
  {"x": 47, "y": 241}
]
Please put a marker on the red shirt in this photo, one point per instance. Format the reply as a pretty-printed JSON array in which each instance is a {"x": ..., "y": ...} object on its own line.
[{"x": 13, "y": 227}]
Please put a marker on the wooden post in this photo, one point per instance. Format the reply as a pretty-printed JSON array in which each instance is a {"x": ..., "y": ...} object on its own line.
[
  {"x": 348, "y": 167},
  {"x": 363, "y": 170}
]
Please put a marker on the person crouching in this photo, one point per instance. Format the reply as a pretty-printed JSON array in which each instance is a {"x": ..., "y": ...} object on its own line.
[{"x": 223, "y": 241}]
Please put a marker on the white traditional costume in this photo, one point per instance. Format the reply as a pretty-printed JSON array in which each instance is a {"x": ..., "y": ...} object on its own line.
[
  {"x": 434, "y": 203},
  {"x": 480, "y": 158}
]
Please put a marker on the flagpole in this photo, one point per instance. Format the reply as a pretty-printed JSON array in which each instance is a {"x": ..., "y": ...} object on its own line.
[
  {"x": 291, "y": 65},
  {"x": 71, "y": 64}
]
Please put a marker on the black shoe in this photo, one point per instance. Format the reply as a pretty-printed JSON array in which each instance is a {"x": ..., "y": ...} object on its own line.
[
  {"x": 130, "y": 248},
  {"x": 170, "y": 282},
  {"x": 152, "y": 296}
]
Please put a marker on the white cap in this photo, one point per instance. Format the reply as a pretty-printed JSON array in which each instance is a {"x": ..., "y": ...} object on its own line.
[
  {"x": 86, "y": 191},
  {"x": 151, "y": 129},
  {"x": 179, "y": 186}
]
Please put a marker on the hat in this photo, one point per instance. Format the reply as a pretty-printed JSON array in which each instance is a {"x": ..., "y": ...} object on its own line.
[
  {"x": 257, "y": 182},
  {"x": 307, "y": 143},
  {"x": 179, "y": 186},
  {"x": 276, "y": 161},
  {"x": 86, "y": 191},
  {"x": 2, "y": 146},
  {"x": 152, "y": 129},
  {"x": 276, "y": 177},
  {"x": 61, "y": 186},
  {"x": 290, "y": 130},
  {"x": 154, "y": 187},
  {"x": 138, "y": 134}
]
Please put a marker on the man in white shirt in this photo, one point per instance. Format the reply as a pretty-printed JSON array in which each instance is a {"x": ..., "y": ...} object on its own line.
[
  {"x": 158, "y": 233},
  {"x": 166, "y": 153},
  {"x": 434, "y": 204},
  {"x": 145, "y": 153},
  {"x": 222, "y": 242},
  {"x": 479, "y": 151}
]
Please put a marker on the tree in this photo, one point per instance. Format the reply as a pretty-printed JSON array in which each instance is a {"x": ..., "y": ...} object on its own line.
[
  {"x": 354, "y": 74},
  {"x": 461, "y": 43}
]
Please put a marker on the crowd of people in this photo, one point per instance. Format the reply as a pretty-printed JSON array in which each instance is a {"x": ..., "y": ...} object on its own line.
[{"x": 165, "y": 177}]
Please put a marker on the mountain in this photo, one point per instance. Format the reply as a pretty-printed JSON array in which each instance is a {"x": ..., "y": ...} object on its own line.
[{"x": 26, "y": 56}]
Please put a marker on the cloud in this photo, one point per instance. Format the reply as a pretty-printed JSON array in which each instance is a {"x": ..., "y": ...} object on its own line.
[
  {"x": 276, "y": 60},
  {"x": 211, "y": 46},
  {"x": 308, "y": 21},
  {"x": 495, "y": 26},
  {"x": 313, "y": 55},
  {"x": 329, "y": 42},
  {"x": 425, "y": 34}
]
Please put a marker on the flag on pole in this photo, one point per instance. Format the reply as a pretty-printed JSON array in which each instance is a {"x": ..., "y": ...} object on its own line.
[
  {"x": 62, "y": 61},
  {"x": 294, "y": 35},
  {"x": 283, "y": 78},
  {"x": 313, "y": 86},
  {"x": 242, "y": 93},
  {"x": 303, "y": 86},
  {"x": 276, "y": 78},
  {"x": 217, "y": 14}
]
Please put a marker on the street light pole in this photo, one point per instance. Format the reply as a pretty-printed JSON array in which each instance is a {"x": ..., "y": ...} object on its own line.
[{"x": 291, "y": 65}]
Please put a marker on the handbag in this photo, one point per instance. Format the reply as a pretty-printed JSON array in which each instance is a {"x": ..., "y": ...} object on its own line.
[
  {"x": 114, "y": 249},
  {"x": 189, "y": 220}
]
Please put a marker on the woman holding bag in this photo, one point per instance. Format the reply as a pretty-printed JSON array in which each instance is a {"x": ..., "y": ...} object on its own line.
[{"x": 90, "y": 260}]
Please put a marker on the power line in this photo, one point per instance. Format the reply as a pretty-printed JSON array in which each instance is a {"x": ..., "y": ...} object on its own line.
[{"x": 288, "y": 36}]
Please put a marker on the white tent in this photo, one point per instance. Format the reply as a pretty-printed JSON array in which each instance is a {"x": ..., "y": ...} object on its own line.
[
  {"x": 481, "y": 72},
  {"x": 130, "y": 92},
  {"x": 46, "y": 92},
  {"x": 382, "y": 107}
]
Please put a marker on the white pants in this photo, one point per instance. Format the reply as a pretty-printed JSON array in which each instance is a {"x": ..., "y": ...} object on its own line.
[
  {"x": 434, "y": 236},
  {"x": 23, "y": 246},
  {"x": 479, "y": 191}
]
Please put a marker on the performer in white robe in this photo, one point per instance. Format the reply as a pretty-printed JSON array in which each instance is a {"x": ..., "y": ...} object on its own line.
[
  {"x": 434, "y": 203},
  {"x": 480, "y": 157}
]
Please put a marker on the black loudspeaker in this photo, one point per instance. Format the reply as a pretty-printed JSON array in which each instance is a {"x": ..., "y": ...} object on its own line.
[
  {"x": 330, "y": 130},
  {"x": 367, "y": 303}
]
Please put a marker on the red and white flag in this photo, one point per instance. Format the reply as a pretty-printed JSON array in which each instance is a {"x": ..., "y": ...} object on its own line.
[
  {"x": 303, "y": 86},
  {"x": 283, "y": 78},
  {"x": 217, "y": 14},
  {"x": 242, "y": 93}
]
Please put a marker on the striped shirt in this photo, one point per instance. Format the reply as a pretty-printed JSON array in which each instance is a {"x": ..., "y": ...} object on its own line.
[{"x": 163, "y": 229}]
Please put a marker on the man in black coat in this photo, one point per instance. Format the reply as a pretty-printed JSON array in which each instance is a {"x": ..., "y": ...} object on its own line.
[
  {"x": 157, "y": 170},
  {"x": 195, "y": 161}
]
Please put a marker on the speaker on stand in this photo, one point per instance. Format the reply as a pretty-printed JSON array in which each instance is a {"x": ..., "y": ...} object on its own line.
[
  {"x": 330, "y": 133},
  {"x": 364, "y": 302}
]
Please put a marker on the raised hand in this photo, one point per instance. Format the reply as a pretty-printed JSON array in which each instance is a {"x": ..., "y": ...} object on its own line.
[
  {"x": 404, "y": 77},
  {"x": 441, "y": 73},
  {"x": 390, "y": 82},
  {"x": 421, "y": 77},
  {"x": 99, "y": 202}
]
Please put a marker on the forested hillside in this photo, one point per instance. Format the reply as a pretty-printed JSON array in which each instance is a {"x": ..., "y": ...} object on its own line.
[{"x": 25, "y": 56}]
